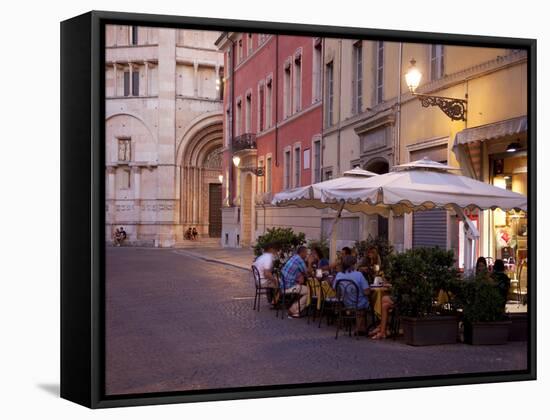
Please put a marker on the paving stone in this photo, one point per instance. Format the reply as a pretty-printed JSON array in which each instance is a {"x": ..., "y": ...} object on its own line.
[{"x": 177, "y": 322}]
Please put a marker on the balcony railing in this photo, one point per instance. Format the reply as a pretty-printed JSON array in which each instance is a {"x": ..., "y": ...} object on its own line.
[{"x": 245, "y": 141}]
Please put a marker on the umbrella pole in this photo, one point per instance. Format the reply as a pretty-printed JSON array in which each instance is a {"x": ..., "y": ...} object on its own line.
[
  {"x": 334, "y": 233},
  {"x": 471, "y": 235}
]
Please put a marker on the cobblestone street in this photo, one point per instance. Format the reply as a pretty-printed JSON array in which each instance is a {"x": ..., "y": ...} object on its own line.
[{"x": 178, "y": 322}]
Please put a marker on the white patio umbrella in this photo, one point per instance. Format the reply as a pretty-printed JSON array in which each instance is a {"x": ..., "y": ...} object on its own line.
[
  {"x": 422, "y": 185},
  {"x": 310, "y": 196}
]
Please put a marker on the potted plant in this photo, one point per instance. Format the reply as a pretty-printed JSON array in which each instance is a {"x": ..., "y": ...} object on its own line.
[
  {"x": 417, "y": 277},
  {"x": 485, "y": 320},
  {"x": 285, "y": 239}
]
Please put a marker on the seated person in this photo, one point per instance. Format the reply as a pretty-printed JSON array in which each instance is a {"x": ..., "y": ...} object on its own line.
[
  {"x": 189, "y": 234},
  {"x": 120, "y": 236},
  {"x": 264, "y": 264},
  {"x": 195, "y": 233},
  {"x": 294, "y": 274},
  {"x": 337, "y": 266},
  {"x": 317, "y": 261},
  {"x": 116, "y": 237},
  {"x": 481, "y": 266},
  {"x": 371, "y": 263},
  {"x": 380, "y": 331},
  {"x": 501, "y": 278},
  {"x": 350, "y": 273}
]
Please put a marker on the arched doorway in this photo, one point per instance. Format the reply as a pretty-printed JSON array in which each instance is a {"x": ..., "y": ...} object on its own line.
[
  {"x": 380, "y": 166},
  {"x": 200, "y": 154}
]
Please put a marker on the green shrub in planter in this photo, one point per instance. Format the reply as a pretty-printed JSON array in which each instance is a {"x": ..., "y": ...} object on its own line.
[
  {"x": 417, "y": 276},
  {"x": 481, "y": 299},
  {"x": 285, "y": 239},
  {"x": 485, "y": 320}
]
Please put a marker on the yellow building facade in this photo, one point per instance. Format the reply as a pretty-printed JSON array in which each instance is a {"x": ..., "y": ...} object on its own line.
[{"x": 372, "y": 120}]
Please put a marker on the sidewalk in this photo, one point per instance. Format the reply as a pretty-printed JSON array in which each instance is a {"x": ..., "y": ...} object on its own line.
[{"x": 236, "y": 257}]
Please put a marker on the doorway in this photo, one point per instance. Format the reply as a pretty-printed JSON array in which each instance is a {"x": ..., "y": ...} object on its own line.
[{"x": 214, "y": 210}]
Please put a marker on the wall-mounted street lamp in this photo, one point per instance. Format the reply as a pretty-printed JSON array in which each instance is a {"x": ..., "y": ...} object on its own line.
[
  {"x": 258, "y": 171},
  {"x": 220, "y": 178},
  {"x": 454, "y": 108}
]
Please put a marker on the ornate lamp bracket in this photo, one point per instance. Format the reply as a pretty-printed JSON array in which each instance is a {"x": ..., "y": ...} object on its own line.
[
  {"x": 454, "y": 108},
  {"x": 256, "y": 171}
]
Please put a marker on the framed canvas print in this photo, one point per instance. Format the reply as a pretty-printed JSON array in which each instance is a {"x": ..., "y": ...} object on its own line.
[{"x": 255, "y": 209}]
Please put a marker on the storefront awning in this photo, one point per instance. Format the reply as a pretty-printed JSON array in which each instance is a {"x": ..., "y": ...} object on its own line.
[
  {"x": 492, "y": 131},
  {"x": 467, "y": 142}
]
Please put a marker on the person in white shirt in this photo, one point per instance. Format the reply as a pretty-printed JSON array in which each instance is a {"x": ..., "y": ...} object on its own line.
[{"x": 264, "y": 264}]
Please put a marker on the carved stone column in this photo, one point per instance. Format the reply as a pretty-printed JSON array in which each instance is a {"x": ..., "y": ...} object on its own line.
[
  {"x": 115, "y": 81},
  {"x": 131, "y": 67},
  {"x": 196, "y": 78},
  {"x": 146, "y": 90}
]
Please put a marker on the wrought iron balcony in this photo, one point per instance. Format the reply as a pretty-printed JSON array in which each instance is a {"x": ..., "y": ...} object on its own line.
[{"x": 245, "y": 141}]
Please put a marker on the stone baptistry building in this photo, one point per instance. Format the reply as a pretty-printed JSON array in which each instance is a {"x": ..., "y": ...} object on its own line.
[{"x": 164, "y": 95}]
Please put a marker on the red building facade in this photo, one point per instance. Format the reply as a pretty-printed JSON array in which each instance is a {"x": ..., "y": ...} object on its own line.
[{"x": 272, "y": 127}]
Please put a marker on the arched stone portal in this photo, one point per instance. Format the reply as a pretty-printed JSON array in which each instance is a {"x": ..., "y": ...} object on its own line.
[{"x": 200, "y": 156}]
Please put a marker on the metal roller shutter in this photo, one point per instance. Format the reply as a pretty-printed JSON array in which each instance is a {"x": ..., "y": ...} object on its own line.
[{"x": 430, "y": 228}]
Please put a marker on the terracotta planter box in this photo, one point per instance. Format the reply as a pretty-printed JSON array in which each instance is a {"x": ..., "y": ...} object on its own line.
[
  {"x": 519, "y": 327},
  {"x": 486, "y": 333},
  {"x": 430, "y": 331}
]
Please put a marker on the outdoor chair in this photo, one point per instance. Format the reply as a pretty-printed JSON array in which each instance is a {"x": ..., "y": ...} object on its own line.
[
  {"x": 347, "y": 311},
  {"x": 285, "y": 299},
  {"x": 327, "y": 307},
  {"x": 315, "y": 290},
  {"x": 518, "y": 284},
  {"x": 260, "y": 290}
]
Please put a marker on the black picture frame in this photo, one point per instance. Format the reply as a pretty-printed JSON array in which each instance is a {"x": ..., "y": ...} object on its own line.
[{"x": 83, "y": 215}]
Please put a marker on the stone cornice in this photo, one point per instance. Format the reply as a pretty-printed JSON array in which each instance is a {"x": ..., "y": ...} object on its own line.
[
  {"x": 148, "y": 165},
  {"x": 115, "y": 47}
]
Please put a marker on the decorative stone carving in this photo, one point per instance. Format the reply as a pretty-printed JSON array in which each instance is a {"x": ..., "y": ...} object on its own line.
[{"x": 214, "y": 159}]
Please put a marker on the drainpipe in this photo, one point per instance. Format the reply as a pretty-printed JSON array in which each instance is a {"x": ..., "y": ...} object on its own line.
[
  {"x": 231, "y": 186},
  {"x": 397, "y": 143},
  {"x": 276, "y": 101},
  {"x": 322, "y": 98},
  {"x": 339, "y": 111}
]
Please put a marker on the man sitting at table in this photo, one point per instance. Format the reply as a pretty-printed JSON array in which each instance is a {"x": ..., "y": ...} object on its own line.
[
  {"x": 337, "y": 265},
  {"x": 294, "y": 275},
  {"x": 349, "y": 272},
  {"x": 264, "y": 264}
]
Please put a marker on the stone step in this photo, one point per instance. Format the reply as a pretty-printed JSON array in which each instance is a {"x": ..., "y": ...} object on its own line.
[{"x": 199, "y": 243}]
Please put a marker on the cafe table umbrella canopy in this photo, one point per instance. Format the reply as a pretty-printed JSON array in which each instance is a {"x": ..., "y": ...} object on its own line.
[
  {"x": 415, "y": 186},
  {"x": 421, "y": 185},
  {"x": 310, "y": 195}
]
